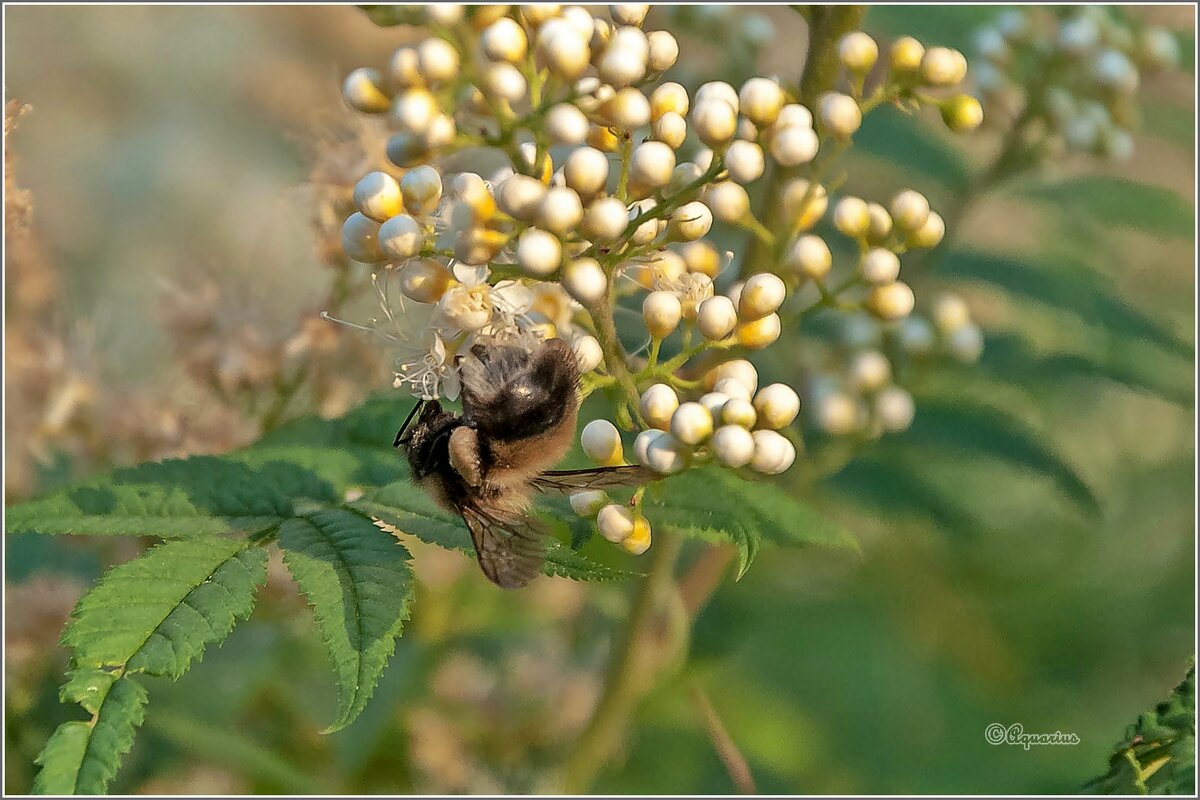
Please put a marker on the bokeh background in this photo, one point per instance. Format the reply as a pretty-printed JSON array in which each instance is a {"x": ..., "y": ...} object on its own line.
[{"x": 171, "y": 174}]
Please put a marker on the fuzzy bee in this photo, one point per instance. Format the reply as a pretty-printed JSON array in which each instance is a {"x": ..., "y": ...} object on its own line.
[{"x": 520, "y": 404}]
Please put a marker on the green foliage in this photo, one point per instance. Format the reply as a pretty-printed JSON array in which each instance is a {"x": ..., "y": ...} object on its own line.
[
  {"x": 1158, "y": 753},
  {"x": 359, "y": 584},
  {"x": 82, "y": 757},
  {"x": 909, "y": 143},
  {"x": 158, "y": 612}
]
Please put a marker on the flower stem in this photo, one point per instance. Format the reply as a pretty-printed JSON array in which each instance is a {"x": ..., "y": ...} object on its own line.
[{"x": 625, "y": 680}]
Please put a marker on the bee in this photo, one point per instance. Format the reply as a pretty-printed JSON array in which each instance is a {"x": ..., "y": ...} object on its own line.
[{"x": 520, "y": 403}]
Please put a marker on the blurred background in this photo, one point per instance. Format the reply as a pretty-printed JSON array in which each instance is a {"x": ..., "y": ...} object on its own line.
[{"x": 173, "y": 180}]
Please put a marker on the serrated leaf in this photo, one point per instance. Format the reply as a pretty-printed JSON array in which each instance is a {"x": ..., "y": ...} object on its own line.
[
  {"x": 1158, "y": 752},
  {"x": 1070, "y": 287},
  {"x": 961, "y": 426},
  {"x": 358, "y": 580},
  {"x": 157, "y": 613},
  {"x": 192, "y": 497},
  {"x": 1119, "y": 202},
  {"x": 408, "y": 509},
  {"x": 82, "y": 757}
]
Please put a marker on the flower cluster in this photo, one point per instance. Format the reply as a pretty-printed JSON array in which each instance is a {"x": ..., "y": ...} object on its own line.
[
  {"x": 613, "y": 184},
  {"x": 1071, "y": 71}
]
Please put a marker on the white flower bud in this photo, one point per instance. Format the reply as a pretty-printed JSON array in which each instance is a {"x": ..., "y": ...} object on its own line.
[
  {"x": 377, "y": 195},
  {"x": 615, "y": 522},
  {"x": 716, "y": 318},
  {"x": 850, "y": 217},
  {"x": 1079, "y": 35},
  {"x": 445, "y": 14},
  {"x": 809, "y": 256},
  {"x": 894, "y": 409},
  {"x": 727, "y": 200},
  {"x": 424, "y": 280},
  {"x": 651, "y": 164},
  {"x": 601, "y": 442},
  {"x": 737, "y": 411},
  {"x": 503, "y": 81},
  {"x": 910, "y": 210},
  {"x": 438, "y": 60},
  {"x": 880, "y": 266},
  {"x": 441, "y": 132},
  {"x": 733, "y": 389},
  {"x": 738, "y": 369},
  {"x": 1158, "y": 48},
  {"x": 657, "y": 405},
  {"x": 586, "y": 171},
  {"x": 733, "y": 446},
  {"x": 943, "y": 66},
  {"x": 401, "y": 237},
  {"x": 360, "y": 239},
  {"x": 1117, "y": 144},
  {"x": 966, "y": 343},
  {"x": 670, "y": 129},
  {"x": 669, "y": 98},
  {"x": 685, "y": 174},
  {"x": 662, "y": 311},
  {"x": 991, "y": 45},
  {"x": 840, "y": 114},
  {"x": 1113, "y": 69},
  {"x": 505, "y": 40},
  {"x": 638, "y": 542},
  {"x": 773, "y": 453},
  {"x": 714, "y": 120},
  {"x": 665, "y": 454},
  {"x": 777, "y": 406},
  {"x": 405, "y": 68},
  {"x": 605, "y": 219},
  {"x": 588, "y": 504},
  {"x": 879, "y": 223},
  {"x": 421, "y": 188},
  {"x": 415, "y": 109},
  {"x": 962, "y": 113},
  {"x": 538, "y": 252},
  {"x": 628, "y": 109},
  {"x": 714, "y": 402},
  {"x": 406, "y": 149},
  {"x": 837, "y": 414},
  {"x": 628, "y": 13},
  {"x": 641, "y": 444},
  {"x": 761, "y": 100},
  {"x": 581, "y": 20},
  {"x": 648, "y": 230},
  {"x": 702, "y": 258},
  {"x": 664, "y": 51},
  {"x": 744, "y": 160},
  {"x": 566, "y": 124},
  {"x": 858, "y": 52},
  {"x": 892, "y": 301},
  {"x": 362, "y": 91},
  {"x": 691, "y": 423},
  {"x": 718, "y": 90},
  {"x": 906, "y": 55},
  {"x": 624, "y": 61},
  {"x": 869, "y": 371},
  {"x": 930, "y": 234},
  {"x": 759, "y": 333},
  {"x": 950, "y": 312},
  {"x": 521, "y": 196},
  {"x": 762, "y": 294},
  {"x": 690, "y": 221},
  {"x": 793, "y": 115},
  {"x": 564, "y": 50},
  {"x": 584, "y": 280},
  {"x": 561, "y": 210},
  {"x": 588, "y": 354},
  {"x": 734, "y": 292},
  {"x": 794, "y": 145}
]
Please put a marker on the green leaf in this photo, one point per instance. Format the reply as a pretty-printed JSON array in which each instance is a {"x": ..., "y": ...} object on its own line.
[
  {"x": 192, "y": 497},
  {"x": 157, "y": 613},
  {"x": 895, "y": 489},
  {"x": 82, "y": 757},
  {"x": 388, "y": 16},
  {"x": 1158, "y": 753},
  {"x": 1070, "y": 287},
  {"x": 358, "y": 580},
  {"x": 1123, "y": 203},
  {"x": 966, "y": 427},
  {"x": 410, "y": 510}
]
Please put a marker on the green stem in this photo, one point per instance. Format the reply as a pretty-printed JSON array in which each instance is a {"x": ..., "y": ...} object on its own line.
[
  {"x": 626, "y": 676},
  {"x": 827, "y": 26}
]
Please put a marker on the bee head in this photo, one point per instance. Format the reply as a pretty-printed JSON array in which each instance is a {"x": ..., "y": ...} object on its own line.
[{"x": 513, "y": 393}]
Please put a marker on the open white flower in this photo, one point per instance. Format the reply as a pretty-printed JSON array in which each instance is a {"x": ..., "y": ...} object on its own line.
[{"x": 471, "y": 304}]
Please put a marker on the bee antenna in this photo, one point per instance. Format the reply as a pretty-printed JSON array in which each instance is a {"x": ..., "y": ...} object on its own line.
[{"x": 407, "y": 420}]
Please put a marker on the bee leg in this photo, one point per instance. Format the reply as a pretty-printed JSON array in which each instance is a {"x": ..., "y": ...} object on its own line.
[{"x": 464, "y": 455}]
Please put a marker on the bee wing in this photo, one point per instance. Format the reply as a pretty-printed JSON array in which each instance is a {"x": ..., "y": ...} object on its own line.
[
  {"x": 510, "y": 552},
  {"x": 566, "y": 481}
]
